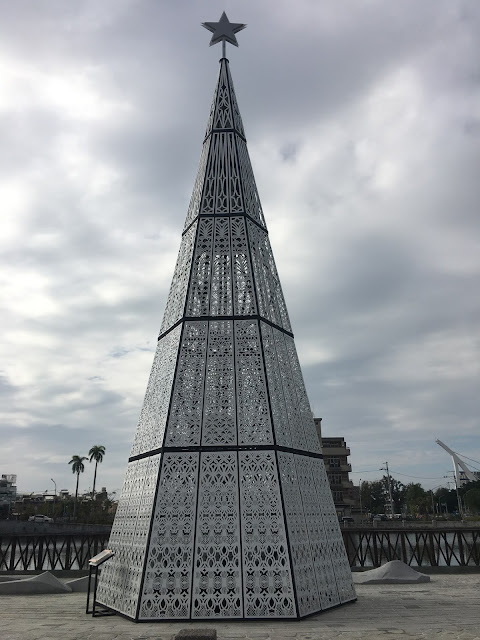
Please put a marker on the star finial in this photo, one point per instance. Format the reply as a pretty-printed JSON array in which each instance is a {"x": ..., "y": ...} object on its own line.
[{"x": 224, "y": 31}]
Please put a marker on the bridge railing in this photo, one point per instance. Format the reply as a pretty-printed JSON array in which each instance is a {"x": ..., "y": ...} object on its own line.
[
  {"x": 432, "y": 547},
  {"x": 49, "y": 552},
  {"x": 365, "y": 548}
]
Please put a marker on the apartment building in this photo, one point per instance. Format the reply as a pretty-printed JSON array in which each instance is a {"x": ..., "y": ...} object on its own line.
[{"x": 335, "y": 456}]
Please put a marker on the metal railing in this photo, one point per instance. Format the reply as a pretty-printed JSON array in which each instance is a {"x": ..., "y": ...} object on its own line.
[
  {"x": 46, "y": 552},
  {"x": 365, "y": 548},
  {"x": 433, "y": 547}
]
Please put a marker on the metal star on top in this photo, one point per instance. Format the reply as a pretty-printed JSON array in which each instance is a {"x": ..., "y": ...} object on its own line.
[{"x": 224, "y": 30}]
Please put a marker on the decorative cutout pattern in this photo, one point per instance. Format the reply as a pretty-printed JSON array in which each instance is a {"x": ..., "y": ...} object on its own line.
[
  {"x": 254, "y": 425},
  {"x": 296, "y": 431},
  {"x": 269, "y": 292},
  {"x": 268, "y": 590},
  {"x": 222, "y": 192},
  {"x": 217, "y": 580},
  {"x": 196, "y": 198},
  {"x": 221, "y": 286},
  {"x": 243, "y": 291},
  {"x": 178, "y": 288},
  {"x": 303, "y": 569},
  {"x": 199, "y": 292},
  {"x": 168, "y": 572},
  {"x": 275, "y": 387},
  {"x": 253, "y": 206},
  {"x": 333, "y": 547},
  {"x": 224, "y": 113},
  {"x": 184, "y": 425},
  {"x": 318, "y": 535},
  {"x": 153, "y": 416},
  {"x": 304, "y": 411},
  {"x": 219, "y": 404},
  {"x": 120, "y": 577}
]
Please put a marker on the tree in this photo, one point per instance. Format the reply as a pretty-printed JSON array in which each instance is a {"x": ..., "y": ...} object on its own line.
[
  {"x": 472, "y": 500},
  {"x": 77, "y": 467},
  {"x": 375, "y": 494},
  {"x": 446, "y": 500},
  {"x": 96, "y": 453},
  {"x": 373, "y": 498},
  {"x": 398, "y": 492},
  {"x": 416, "y": 498}
]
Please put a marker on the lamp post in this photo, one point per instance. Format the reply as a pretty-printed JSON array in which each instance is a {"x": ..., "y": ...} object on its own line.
[{"x": 55, "y": 487}]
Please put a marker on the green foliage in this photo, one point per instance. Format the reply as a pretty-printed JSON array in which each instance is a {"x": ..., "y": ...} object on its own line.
[
  {"x": 375, "y": 495},
  {"x": 472, "y": 499},
  {"x": 96, "y": 453},
  {"x": 417, "y": 499},
  {"x": 77, "y": 464},
  {"x": 446, "y": 499}
]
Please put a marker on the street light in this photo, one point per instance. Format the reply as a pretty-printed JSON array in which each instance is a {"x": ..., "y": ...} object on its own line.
[{"x": 55, "y": 486}]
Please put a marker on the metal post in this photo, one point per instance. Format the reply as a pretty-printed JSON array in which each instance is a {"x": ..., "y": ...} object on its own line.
[
  {"x": 385, "y": 468},
  {"x": 360, "y": 492}
]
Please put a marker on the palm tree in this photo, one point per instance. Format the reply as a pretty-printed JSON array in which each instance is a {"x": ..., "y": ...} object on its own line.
[
  {"x": 96, "y": 453},
  {"x": 77, "y": 467}
]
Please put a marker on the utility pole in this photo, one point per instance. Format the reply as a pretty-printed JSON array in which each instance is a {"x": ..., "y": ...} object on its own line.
[
  {"x": 360, "y": 494},
  {"x": 385, "y": 468},
  {"x": 459, "y": 500}
]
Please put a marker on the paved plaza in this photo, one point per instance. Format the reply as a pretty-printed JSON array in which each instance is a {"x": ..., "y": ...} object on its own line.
[{"x": 447, "y": 608}]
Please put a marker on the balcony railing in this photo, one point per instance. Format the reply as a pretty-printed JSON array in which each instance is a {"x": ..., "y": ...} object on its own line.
[{"x": 335, "y": 451}]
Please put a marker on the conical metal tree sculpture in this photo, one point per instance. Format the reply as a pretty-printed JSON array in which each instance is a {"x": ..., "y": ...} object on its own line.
[{"x": 226, "y": 510}]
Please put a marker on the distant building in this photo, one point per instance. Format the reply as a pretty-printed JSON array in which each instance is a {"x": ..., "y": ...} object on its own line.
[
  {"x": 463, "y": 480},
  {"x": 335, "y": 453},
  {"x": 8, "y": 494}
]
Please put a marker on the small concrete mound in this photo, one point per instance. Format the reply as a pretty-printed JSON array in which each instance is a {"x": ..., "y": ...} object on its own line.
[
  {"x": 80, "y": 584},
  {"x": 43, "y": 583},
  {"x": 394, "y": 572}
]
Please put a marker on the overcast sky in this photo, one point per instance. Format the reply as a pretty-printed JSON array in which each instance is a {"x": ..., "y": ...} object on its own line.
[{"x": 363, "y": 126}]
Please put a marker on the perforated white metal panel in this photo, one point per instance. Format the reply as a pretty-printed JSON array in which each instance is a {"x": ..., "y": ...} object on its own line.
[
  {"x": 120, "y": 577},
  {"x": 302, "y": 560},
  {"x": 217, "y": 584},
  {"x": 153, "y": 417},
  {"x": 267, "y": 579},
  {"x": 185, "y": 420},
  {"x": 219, "y": 416},
  {"x": 168, "y": 572}
]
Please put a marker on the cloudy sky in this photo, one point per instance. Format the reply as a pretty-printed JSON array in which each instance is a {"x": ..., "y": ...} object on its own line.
[{"x": 363, "y": 125}]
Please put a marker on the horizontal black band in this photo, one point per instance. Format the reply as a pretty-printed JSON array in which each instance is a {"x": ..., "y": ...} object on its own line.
[
  {"x": 240, "y": 214},
  {"x": 225, "y": 130},
  {"x": 219, "y": 318},
  {"x": 232, "y": 447}
]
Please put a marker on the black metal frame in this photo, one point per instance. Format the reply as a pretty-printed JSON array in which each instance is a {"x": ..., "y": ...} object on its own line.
[{"x": 94, "y": 564}]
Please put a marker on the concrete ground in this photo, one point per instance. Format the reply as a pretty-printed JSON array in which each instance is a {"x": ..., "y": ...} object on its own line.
[{"x": 447, "y": 608}]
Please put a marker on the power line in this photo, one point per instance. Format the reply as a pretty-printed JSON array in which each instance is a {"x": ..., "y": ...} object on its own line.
[
  {"x": 367, "y": 471},
  {"x": 466, "y": 457},
  {"x": 418, "y": 477}
]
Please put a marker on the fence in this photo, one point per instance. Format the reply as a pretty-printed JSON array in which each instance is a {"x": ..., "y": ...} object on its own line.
[
  {"x": 365, "y": 548},
  {"x": 49, "y": 552},
  {"x": 434, "y": 548}
]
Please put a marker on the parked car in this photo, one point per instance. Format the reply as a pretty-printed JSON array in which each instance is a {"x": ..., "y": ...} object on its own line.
[{"x": 40, "y": 518}]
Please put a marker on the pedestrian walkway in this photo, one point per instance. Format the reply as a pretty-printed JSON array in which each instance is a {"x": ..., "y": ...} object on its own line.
[{"x": 447, "y": 608}]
